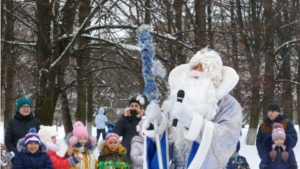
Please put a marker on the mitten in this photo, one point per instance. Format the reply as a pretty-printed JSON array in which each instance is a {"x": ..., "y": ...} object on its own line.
[
  {"x": 6, "y": 158},
  {"x": 73, "y": 160},
  {"x": 179, "y": 112},
  {"x": 153, "y": 112},
  {"x": 293, "y": 166}
]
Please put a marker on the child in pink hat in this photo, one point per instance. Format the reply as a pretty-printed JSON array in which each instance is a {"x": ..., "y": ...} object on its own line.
[
  {"x": 278, "y": 153},
  {"x": 83, "y": 146}
]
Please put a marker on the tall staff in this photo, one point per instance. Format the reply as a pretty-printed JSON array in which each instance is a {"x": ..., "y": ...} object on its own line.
[{"x": 151, "y": 68}]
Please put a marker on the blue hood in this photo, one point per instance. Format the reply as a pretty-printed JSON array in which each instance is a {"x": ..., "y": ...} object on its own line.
[{"x": 101, "y": 111}]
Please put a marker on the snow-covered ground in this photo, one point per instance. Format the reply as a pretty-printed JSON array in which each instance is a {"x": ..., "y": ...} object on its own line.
[{"x": 246, "y": 150}]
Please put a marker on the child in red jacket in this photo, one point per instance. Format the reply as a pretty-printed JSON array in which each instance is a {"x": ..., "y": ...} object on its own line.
[{"x": 48, "y": 136}]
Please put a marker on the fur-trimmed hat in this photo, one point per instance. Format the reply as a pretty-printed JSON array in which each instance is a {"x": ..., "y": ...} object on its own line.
[
  {"x": 46, "y": 132},
  {"x": 229, "y": 77},
  {"x": 208, "y": 57},
  {"x": 111, "y": 136},
  {"x": 278, "y": 132},
  {"x": 32, "y": 136},
  {"x": 274, "y": 107},
  {"x": 21, "y": 102}
]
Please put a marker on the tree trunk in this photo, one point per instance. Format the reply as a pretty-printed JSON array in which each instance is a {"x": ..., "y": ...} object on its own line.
[
  {"x": 268, "y": 81},
  {"x": 147, "y": 12},
  {"x": 8, "y": 65},
  {"x": 200, "y": 24},
  {"x": 180, "y": 58},
  {"x": 66, "y": 116},
  {"x": 90, "y": 102},
  {"x": 254, "y": 107},
  {"x": 287, "y": 98},
  {"x": 81, "y": 112},
  {"x": 298, "y": 91},
  {"x": 47, "y": 94},
  {"x": 284, "y": 34}
]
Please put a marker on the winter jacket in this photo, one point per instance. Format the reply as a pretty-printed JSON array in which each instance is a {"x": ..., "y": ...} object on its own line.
[
  {"x": 265, "y": 129},
  {"x": 126, "y": 128},
  {"x": 137, "y": 152},
  {"x": 277, "y": 163},
  {"x": 17, "y": 128},
  {"x": 27, "y": 160},
  {"x": 117, "y": 156},
  {"x": 90, "y": 161},
  {"x": 57, "y": 161},
  {"x": 237, "y": 162},
  {"x": 100, "y": 119}
]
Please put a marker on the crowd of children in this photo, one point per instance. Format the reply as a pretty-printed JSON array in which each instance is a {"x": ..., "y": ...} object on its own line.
[{"x": 39, "y": 149}]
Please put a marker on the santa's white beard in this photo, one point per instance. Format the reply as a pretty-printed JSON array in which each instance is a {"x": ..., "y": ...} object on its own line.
[{"x": 200, "y": 98}]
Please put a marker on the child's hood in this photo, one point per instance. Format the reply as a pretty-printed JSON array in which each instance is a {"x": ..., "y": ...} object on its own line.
[
  {"x": 73, "y": 141},
  {"x": 101, "y": 146},
  {"x": 22, "y": 147},
  {"x": 138, "y": 138}
]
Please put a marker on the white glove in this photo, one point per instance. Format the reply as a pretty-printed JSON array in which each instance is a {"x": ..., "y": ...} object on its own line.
[
  {"x": 153, "y": 112},
  {"x": 179, "y": 112}
]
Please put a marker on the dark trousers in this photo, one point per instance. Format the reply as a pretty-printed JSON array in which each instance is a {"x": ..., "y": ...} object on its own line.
[{"x": 99, "y": 131}]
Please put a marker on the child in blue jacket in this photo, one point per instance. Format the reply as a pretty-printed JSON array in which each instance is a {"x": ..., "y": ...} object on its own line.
[
  {"x": 32, "y": 153},
  {"x": 278, "y": 153},
  {"x": 237, "y": 161}
]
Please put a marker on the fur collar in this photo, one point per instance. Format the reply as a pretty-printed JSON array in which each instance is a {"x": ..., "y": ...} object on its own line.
[
  {"x": 90, "y": 145},
  {"x": 22, "y": 147},
  {"x": 102, "y": 148}
]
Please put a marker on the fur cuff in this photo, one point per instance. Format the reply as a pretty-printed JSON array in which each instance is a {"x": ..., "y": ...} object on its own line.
[
  {"x": 195, "y": 127},
  {"x": 161, "y": 128},
  {"x": 202, "y": 151}
]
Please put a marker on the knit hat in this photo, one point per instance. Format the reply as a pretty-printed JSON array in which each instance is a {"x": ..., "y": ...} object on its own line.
[
  {"x": 274, "y": 107},
  {"x": 208, "y": 57},
  {"x": 46, "y": 132},
  {"x": 111, "y": 136},
  {"x": 278, "y": 132},
  {"x": 135, "y": 100},
  {"x": 32, "y": 136},
  {"x": 21, "y": 102},
  {"x": 79, "y": 130}
]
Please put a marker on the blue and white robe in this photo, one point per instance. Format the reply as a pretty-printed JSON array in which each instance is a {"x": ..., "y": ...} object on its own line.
[{"x": 219, "y": 136}]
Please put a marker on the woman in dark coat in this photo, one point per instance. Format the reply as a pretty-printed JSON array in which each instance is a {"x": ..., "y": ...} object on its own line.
[{"x": 19, "y": 126}]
